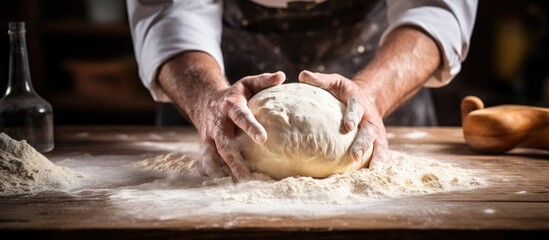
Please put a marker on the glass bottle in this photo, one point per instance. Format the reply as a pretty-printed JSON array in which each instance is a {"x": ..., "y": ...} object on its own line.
[{"x": 24, "y": 114}]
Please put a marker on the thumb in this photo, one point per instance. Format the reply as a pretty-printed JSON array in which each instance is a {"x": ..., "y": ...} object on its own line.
[
  {"x": 315, "y": 79},
  {"x": 257, "y": 83}
]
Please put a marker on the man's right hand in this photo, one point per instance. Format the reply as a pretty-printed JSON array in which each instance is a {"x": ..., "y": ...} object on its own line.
[{"x": 224, "y": 111}]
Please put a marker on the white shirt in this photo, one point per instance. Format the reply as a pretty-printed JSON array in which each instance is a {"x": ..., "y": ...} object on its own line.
[{"x": 162, "y": 29}]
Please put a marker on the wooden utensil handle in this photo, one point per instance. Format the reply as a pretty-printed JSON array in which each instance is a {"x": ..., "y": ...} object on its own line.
[{"x": 469, "y": 104}]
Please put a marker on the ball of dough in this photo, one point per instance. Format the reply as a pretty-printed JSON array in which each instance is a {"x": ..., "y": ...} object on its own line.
[{"x": 305, "y": 131}]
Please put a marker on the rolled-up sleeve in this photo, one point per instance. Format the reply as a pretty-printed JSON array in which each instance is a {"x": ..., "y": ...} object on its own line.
[
  {"x": 449, "y": 22},
  {"x": 163, "y": 28}
]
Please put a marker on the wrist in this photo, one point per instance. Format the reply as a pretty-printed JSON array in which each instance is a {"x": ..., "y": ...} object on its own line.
[
  {"x": 192, "y": 80},
  {"x": 373, "y": 94}
]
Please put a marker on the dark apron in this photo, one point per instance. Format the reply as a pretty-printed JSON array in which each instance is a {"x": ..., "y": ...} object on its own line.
[{"x": 334, "y": 36}]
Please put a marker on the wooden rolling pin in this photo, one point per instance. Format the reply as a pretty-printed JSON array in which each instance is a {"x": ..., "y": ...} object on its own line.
[{"x": 501, "y": 128}]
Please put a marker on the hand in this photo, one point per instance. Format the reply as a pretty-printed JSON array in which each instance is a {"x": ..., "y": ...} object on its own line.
[
  {"x": 361, "y": 111},
  {"x": 224, "y": 112}
]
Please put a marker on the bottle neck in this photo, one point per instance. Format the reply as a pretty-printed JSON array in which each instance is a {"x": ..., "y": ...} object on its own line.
[{"x": 19, "y": 80}]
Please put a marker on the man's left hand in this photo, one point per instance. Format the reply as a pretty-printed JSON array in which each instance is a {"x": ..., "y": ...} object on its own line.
[{"x": 361, "y": 112}]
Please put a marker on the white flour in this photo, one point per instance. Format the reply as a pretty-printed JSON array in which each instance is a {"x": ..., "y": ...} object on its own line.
[
  {"x": 167, "y": 186},
  {"x": 409, "y": 176},
  {"x": 174, "y": 162},
  {"x": 416, "y": 135},
  {"x": 23, "y": 170},
  {"x": 174, "y": 196}
]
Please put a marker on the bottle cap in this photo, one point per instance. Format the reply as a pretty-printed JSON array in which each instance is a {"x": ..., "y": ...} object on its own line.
[{"x": 16, "y": 27}]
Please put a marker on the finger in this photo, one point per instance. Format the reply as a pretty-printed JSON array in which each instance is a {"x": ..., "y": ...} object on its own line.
[
  {"x": 243, "y": 117},
  {"x": 363, "y": 141},
  {"x": 256, "y": 83},
  {"x": 336, "y": 84},
  {"x": 211, "y": 161},
  {"x": 322, "y": 80},
  {"x": 230, "y": 153},
  {"x": 354, "y": 110},
  {"x": 316, "y": 79},
  {"x": 227, "y": 170},
  {"x": 381, "y": 156}
]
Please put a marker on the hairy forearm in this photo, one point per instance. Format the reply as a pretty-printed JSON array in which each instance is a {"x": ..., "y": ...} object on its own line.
[
  {"x": 402, "y": 65},
  {"x": 189, "y": 79}
]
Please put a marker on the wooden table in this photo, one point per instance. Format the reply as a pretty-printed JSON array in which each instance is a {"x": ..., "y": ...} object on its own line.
[{"x": 516, "y": 208}]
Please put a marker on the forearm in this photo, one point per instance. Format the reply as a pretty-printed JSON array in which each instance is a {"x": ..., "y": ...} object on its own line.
[
  {"x": 402, "y": 65},
  {"x": 189, "y": 79}
]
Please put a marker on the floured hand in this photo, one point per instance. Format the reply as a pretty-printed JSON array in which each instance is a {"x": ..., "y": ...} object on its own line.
[
  {"x": 223, "y": 113},
  {"x": 361, "y": 112}
]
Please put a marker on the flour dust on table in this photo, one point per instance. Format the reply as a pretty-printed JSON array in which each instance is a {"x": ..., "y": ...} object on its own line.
[
  {"x": 23, "y": 170},
  {"x": 408, "y": 176},
  {"x": 169, "y": 183},
  {"x": 179, "y": 195}
]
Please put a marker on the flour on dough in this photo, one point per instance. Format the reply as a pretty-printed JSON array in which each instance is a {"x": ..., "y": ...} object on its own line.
[{"x": 305, "y": 131}]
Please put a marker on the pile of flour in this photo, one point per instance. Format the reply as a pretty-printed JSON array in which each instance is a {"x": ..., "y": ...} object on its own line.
[
  {"x": 408, "y": 176},
  {"x": 23, "y": 170}
]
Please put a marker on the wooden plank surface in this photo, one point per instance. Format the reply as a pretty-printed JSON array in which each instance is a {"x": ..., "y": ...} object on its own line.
[{"x": 520, "y": 201}]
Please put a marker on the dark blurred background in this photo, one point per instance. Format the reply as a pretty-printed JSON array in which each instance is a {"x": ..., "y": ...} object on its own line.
[{"x": 82, "y": 60}]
